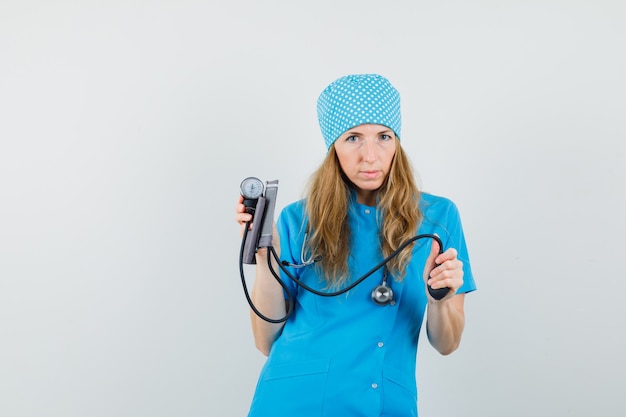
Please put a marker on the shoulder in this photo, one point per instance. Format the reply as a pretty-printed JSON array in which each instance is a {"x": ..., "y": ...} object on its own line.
[
  {"x": 430, "y": 203},
  {"x": 295, "y": 208},
  {"x": 439, "y": 210},
  {"x": 293, "y": 213}
]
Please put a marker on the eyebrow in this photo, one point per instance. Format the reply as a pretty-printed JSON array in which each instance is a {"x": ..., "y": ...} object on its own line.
[{"x": 355, "y": 133}]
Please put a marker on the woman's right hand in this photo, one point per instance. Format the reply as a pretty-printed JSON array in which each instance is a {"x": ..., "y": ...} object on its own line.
[{"x": 241, "y": 216}]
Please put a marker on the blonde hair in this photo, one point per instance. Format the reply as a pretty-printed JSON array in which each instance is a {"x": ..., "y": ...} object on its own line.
[{"x": 327, "y": 199}]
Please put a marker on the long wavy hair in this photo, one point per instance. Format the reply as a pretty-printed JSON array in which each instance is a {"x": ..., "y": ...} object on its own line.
[{"x": 327, "y": 198}]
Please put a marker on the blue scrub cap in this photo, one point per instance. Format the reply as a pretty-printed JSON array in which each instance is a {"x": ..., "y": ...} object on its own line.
[{"x": 354, "y": 100}]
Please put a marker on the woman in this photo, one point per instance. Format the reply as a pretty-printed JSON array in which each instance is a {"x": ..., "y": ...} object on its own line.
[{"x": 349, "y": 355}]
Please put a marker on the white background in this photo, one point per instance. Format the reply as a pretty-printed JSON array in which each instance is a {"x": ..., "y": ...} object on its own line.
[{"x": 127, "y": 126}]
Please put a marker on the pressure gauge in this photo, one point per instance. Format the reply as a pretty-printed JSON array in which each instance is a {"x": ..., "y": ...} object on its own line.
[{"x": 251, "y": 190}]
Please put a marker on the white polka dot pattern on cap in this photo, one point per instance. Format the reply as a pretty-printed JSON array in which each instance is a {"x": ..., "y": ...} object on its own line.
[{"x": 358, "y": 99}]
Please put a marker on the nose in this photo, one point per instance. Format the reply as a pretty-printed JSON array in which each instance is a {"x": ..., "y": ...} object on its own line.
[{"x": 369, "y": 150}]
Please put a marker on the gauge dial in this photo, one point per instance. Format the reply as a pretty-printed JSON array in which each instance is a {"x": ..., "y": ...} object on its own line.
[{"x": 251, "y": 188}]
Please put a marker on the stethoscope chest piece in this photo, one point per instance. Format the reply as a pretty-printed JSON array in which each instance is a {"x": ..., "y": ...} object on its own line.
[{"x": 382, "y": 294}]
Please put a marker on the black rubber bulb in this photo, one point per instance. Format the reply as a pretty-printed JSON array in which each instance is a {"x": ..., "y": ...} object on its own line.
[{"x": 438, "y": 293}]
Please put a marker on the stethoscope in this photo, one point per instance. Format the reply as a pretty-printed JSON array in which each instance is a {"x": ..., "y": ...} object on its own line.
[{"x": 382, "y": 294}]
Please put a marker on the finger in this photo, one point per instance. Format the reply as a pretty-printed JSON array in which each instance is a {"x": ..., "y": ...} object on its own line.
[
  {"x": 451, "y": 278},
  {"x": 447, "y": 266},
  {"x": 452, "y": 283},
  {"x": 243, "y": 226},
  {"x": 243, "y": 218},
  {"x": 240, "y": 208},
  {"x": 449, "y": 255}
]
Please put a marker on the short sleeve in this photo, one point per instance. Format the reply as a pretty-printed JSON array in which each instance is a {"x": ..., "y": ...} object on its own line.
[
  {"x": 443, "y": 216},
  {"x": 291, "y": 233},
  {"x": 457, "y": 241}
]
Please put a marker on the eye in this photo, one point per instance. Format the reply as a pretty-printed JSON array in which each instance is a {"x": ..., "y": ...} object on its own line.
[
  {"x": 352, "y": 139},
  {"x": 385, "y": 137}
]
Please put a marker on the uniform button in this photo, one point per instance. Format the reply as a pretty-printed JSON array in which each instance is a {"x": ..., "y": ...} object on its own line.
[
  {"x": 374, "y": 385},
  {"x": 381, "y": 344},
  {"x": 367, "y": 211}
]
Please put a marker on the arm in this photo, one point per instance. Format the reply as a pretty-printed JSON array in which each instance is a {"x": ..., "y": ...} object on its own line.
[
  {"x": 445, "y": 322},
  {"x": 446, "y": 317},
  {"x": 267, "y": 294}
]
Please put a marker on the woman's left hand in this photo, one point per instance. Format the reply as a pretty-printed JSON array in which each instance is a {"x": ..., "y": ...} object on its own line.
[{"x": 448, "y": 273}]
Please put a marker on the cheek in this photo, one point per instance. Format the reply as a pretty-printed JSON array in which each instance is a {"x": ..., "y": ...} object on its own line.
[
  {"x": 389, "y": 161},
  {"x": 345, "y": 162}
]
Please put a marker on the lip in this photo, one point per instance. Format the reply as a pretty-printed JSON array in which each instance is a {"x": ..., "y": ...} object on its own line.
[{"x": 370, "y": 174}]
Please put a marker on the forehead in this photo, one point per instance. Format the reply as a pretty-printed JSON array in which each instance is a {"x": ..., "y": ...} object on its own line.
[{"x": 368, "y": 129}]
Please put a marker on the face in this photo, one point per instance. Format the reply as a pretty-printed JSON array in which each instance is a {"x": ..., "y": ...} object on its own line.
[{"x": 365, "y": 153}]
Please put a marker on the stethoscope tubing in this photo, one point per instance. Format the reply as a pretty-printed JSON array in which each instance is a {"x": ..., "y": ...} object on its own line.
[
  {"x": 290, "y": 297},
  {"x": 360, "y": 279}
]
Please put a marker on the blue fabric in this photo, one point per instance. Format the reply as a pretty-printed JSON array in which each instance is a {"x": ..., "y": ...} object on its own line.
[
  {"x": 345, "y": 355},
  {"x": 354, "y": 100}
]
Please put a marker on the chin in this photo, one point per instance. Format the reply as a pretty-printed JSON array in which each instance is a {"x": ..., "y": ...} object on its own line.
[{"x": 368, "y": 187}]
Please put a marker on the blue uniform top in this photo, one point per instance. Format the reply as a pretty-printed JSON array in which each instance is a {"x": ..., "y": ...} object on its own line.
[{"x": 346, "y": 355}]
